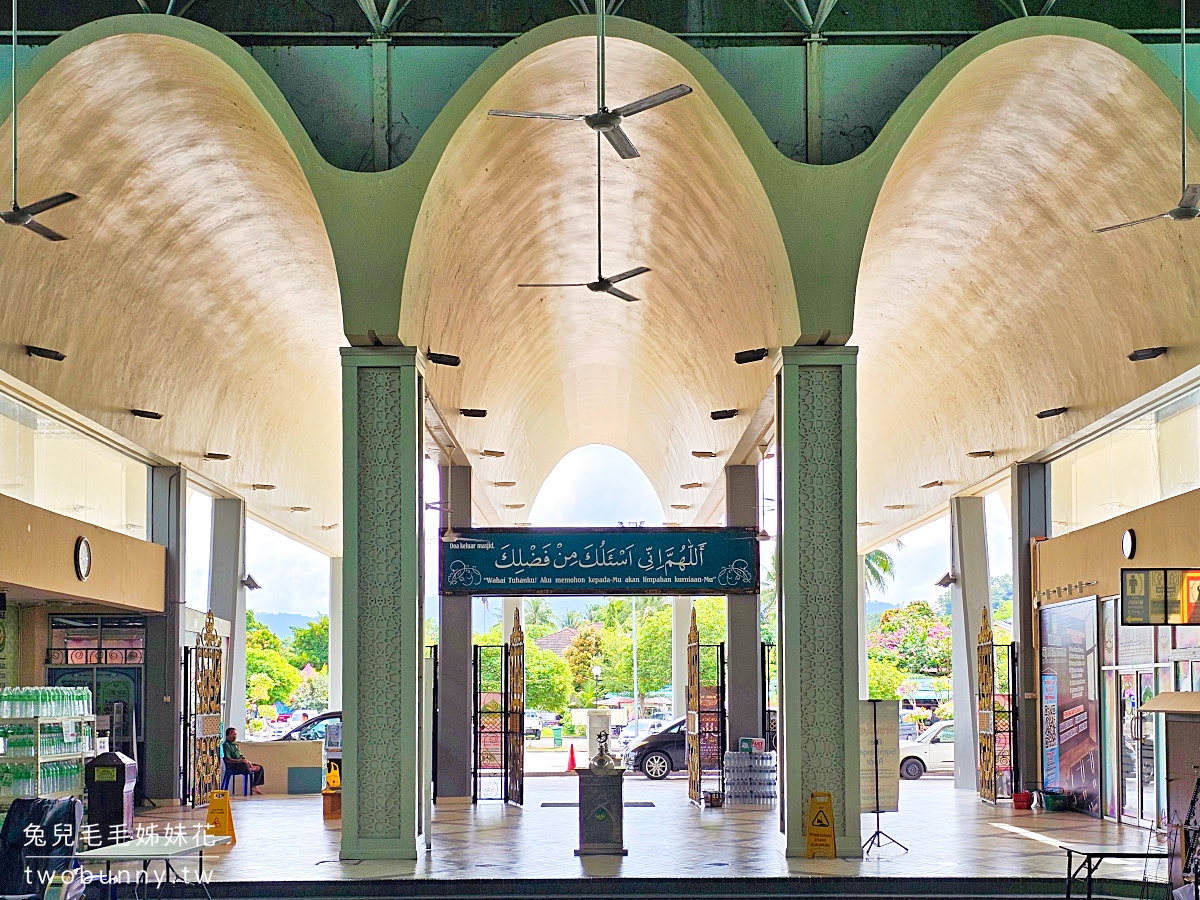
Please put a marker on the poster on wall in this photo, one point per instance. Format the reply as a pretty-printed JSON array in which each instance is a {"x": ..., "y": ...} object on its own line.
[
  {"x": 1071, "y": 702},
  {"x": 882, "y": 724}
]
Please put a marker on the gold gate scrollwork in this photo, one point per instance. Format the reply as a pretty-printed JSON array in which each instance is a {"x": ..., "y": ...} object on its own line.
[
  {"x": 986, "y": 706},
  {"x": 694, "y": 763},
  {"x": 516, "y": 713},
  {"x": 207, "y": 736}
]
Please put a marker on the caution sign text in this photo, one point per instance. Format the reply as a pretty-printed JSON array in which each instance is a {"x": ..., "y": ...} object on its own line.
[{"x": 819, "y": 826}]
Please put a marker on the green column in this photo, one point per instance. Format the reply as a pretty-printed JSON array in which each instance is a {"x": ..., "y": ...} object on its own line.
[
  {"x": 818, "y": 603},
  {"x": 381, "y": 601}
]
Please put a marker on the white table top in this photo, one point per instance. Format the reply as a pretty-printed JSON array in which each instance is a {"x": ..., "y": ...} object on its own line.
[{"x": 156, "y": 846}]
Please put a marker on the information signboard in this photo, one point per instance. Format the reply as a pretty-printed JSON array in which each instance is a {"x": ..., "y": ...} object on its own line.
[
  {"x": 496, "y": 562},
  {"x": 879, "y": 720},
  {"x": 1160, "y": 597}
]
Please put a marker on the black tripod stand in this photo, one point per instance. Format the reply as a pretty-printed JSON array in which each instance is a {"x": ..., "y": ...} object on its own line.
[{"x": 879, "y": 837}]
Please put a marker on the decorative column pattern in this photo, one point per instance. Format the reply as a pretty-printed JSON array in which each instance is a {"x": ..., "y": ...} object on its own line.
[
  {"x": 818, "y": 608},
  {"x": 381, "y": 602}
]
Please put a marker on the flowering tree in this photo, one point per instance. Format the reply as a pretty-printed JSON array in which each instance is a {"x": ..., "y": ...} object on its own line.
[{"x": 914, "y": 639}]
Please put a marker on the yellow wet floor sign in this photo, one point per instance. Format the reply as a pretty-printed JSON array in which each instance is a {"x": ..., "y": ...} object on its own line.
[
  {"x": 220, "y": 816},
  {"x": 820, "y": 826}
]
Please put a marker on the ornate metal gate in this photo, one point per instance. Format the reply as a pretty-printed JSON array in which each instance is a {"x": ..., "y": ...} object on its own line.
[
  {"x": 499, "y": 719},
  {"x": 995, "y": 710},
  {"x": 202, "y": 716},
  {"x": 515, "y": 665},
  {"x": 770, "y": 695},
  {"x": 706, "y": 715}
]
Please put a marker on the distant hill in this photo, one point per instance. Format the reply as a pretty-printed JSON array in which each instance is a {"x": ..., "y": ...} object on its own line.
[
  {"x": 281, "y": 624},
  {"x": 878, "y": 607}
]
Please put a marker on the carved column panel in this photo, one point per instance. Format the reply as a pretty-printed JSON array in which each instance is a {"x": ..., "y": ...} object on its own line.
[
  {"x": 818, "y": 604},
  {"x": 381, "y": 601}
]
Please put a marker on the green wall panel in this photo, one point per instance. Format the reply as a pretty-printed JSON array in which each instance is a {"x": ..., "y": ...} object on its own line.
[
  {"x": 423, "y": 81},
  {"x": 330, "y": 90},
  {"x": 862, "y": 87},
  {"x": 771, "y": 82}
]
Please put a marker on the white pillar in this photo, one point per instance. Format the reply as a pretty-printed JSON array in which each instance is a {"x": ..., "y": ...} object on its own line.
[
  {"x": 335, "y": 633},
  {"x": 681, "y": 624},
  {"x": 511, "y": 605},
  {"x": 227, "y": 600},
  {"x": 970, "y": 593}
]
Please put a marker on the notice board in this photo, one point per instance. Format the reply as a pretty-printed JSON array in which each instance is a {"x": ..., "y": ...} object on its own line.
[
  {"x": 1070, "y": 675},
  {"x": 884, "y": 724}
]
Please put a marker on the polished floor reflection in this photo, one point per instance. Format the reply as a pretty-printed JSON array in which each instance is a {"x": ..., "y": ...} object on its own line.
[{"x": 950, "y": 834}]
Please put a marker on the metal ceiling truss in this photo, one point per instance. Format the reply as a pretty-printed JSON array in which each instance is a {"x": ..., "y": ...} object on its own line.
[{"x": 811, "y": 23}]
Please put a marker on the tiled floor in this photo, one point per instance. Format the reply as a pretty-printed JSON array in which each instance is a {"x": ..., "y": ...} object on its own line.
[{"x": 948, "y": 832}]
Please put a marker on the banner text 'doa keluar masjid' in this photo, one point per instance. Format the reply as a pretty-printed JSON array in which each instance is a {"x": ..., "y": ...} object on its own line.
[{"x": 600, "y": 561}]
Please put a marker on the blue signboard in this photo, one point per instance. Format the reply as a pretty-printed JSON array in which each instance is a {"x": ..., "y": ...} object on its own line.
[{"x": 495, "y": 562}]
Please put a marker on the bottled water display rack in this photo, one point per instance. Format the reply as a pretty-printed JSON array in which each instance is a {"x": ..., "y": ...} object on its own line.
[
  {"x": 40, "y": 759},
  {"x": 751, "y": 778}
]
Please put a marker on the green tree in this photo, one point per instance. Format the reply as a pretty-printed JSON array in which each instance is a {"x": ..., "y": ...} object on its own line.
[
  {"x": 878, "y": 569},
  {"x": 547, "y": 680},
  {"x": 882, "y": 680},
  {"x": 260, "y": 636},
  {"x": 538, "y": 613},
  {"x": 581, "y": 654},
  {"x": 258, "y": 688},
  {"x": 313, "y": 693},
  {"x": 767, "y": 617},
  {"x": 310, "y": 645},
  {"x": 285, "y": 678},
  {"x": 574, "y": 619}
]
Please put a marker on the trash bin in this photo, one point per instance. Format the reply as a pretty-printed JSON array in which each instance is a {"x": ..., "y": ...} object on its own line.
[
  {"x": 557, "y": 732},
  {"x": 110, "y": 779}
]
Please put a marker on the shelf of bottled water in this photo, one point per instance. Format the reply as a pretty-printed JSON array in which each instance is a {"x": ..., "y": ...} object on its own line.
[
  {"x": 751, "y": 778},
  {"x": 44, "y": 702},
  {"x": 21, "y": 779}
]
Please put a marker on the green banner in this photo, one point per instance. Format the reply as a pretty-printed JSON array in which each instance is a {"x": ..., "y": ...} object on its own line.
[{"x": 496, "y": 562}]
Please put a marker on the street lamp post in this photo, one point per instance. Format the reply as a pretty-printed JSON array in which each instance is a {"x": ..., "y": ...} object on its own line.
[{"x": 596, "y": 670}]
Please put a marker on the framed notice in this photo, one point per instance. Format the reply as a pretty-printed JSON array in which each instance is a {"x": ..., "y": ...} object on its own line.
[
  {"x": 879, "y": 732},
  {"x": 1160, "y": 597}
]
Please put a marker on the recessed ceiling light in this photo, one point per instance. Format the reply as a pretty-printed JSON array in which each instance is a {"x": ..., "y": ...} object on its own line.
[
  {"x": 505, "y": 483},
  {"x": 681, "y": 506},
  {"x": 523, "y": 524},
  {"x": 146, "y": 414},
  {"x": 44, "y": 353},
  {"x": 932, "y": 484},
  {"x": 301, "y": 508},
  {"x": 720, "y": 414},
  {"x": 748, "y": 356},
  {"x": 704, "y": 454},
  {"x": 1147, "y": 353},
  {"x": 865, "y": 524},
  {"x": 491, "y": 454},
  {"x": 981, "y": 454},
  {"x": 330, "y": 527},
  {"x": 691, "y": 485},
  {"x": 473, "y": 413},
  {"x": 442, "y": 359},
  {"x": 671, "y": 524},
  {"x": 514, "y": 505},
  {"x": 263, "y": 487},
  {"x": 894, "y": 506},
  {"x": 216, "y": 456},
  {"x": 1051, "y": 413}
]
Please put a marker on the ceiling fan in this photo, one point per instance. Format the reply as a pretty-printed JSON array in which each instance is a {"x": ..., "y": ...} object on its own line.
[
  {"x": 605, "y": 121},
  {"x": 23, "y": 216},
  {"x": 601, "y": 285},
  {"x": 1189, "y": 202}
]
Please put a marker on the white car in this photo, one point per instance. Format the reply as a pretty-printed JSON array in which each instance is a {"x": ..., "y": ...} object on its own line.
[
  {"x": 638, "y": 729},
  {"x": 933, "y": 751}
]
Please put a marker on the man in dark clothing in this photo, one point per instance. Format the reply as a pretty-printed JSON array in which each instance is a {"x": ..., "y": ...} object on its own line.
[{"x": 238, "y": 764}]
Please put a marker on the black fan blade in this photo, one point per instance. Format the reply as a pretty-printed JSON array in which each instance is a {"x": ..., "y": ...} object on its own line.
[
  {"x": 637, "y": 106},
  {"x": 1129, "y": 224},
  {"x": 617, "y": 292},
  {"x": 1191, "y": 197},
  {"x": 584, "y": 284},
  {"x": 632, "y": 273},
  {"x": 49, "y": 203},
  {"x": 621, "y": 143},
  {"x": 517, "y": 114},
  {"x": 45, "y": 232}
]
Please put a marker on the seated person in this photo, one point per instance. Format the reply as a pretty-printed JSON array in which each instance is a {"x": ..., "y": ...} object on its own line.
[{"x": 238, "y": 764}]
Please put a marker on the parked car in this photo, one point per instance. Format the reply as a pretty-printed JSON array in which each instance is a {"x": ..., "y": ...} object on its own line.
[
  {"x": 659, "y": 754},
  {"x": 638, "y": 728},
  {"x": 533, "y": 723},
  {"x": 933, "y": 751},
  {"x": 313, "y": 729}
]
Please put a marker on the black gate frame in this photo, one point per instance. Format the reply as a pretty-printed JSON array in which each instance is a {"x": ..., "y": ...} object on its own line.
[
  {"x": 505, "y": 725},
  {"x": 770, "y": 714},
  {"x": 996, "y": 712},
  {"x": 706, "y": 723},
  {"x": 431, "y": 652}
]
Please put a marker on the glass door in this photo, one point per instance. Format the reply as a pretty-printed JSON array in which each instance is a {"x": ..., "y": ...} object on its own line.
[
  {"x": 1146, "y": 761},
  {"x": 1138, "y": 786}
]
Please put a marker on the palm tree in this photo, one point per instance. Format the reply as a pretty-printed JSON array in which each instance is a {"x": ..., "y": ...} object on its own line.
[
  {"x": 574, "y": 619},
  {"x": 538, "y": 612},
  {"x": 878, "y": 569}
]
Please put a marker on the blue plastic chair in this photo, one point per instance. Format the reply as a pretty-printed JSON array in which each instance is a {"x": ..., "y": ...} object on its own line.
[{"x": 227, "y": 776}]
